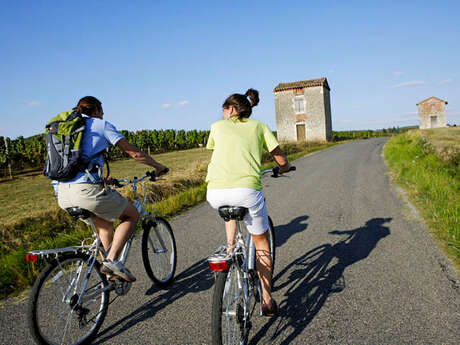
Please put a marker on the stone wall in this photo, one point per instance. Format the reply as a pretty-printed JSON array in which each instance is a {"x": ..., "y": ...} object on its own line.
[
  {"x": 316, "y": 113},
  {"x": 285, "y": 116},
  {"x": 327, "y": 104}
]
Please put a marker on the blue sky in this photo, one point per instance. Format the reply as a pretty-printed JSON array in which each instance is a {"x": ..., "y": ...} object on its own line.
[{"x": 171, "y": 64}]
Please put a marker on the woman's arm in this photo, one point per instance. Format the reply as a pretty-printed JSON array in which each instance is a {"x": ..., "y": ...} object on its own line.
[
  {"x": 140, "y": 156},
  {"x": 280, "y": 159}
]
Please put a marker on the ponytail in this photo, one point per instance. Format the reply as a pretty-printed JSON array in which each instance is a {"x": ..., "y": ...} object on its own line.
[{"x": 241, "y": 103}]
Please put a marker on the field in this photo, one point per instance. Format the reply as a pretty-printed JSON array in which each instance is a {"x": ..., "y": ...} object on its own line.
[
  {"x": 426, "y": 164},
  {"x": 33, "y": 196}
]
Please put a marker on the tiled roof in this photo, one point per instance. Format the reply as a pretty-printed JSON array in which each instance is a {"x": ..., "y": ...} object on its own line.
[
  {"x": 439, "y": 99},
  {"x": 301, "y": 84}
]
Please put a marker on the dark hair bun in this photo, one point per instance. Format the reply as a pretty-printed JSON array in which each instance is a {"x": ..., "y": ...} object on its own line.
[{"x": 253, "y": 96}]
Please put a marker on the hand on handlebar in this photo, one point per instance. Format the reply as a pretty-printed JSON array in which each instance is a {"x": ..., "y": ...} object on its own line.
[
  {"x": 162, "y": 171},
  {"x": 285, "y": 168},
  {"x": 156, "y": 173},
  {"x": 110, "y": 181},
  {"x": 277, "y": 171}
]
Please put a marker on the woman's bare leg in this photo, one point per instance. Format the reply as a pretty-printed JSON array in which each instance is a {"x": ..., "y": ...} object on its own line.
[
  {"x": 129, "y": 219},
  {"x": 105, "y": 229},
  {"x": 263, "y": 264},
  {"x": 230, "y": 231}
]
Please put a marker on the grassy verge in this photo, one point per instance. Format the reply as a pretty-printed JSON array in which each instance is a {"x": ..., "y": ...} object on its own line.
[
  {"x": 53, "y": 228},
  {"x": 426, "y": 165}
]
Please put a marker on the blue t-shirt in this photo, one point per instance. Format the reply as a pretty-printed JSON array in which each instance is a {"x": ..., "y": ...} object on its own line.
[{"x": 98, "y": 135}]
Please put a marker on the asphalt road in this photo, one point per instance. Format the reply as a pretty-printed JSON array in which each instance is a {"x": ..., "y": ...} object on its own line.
[{"x": 354, "y": 266}]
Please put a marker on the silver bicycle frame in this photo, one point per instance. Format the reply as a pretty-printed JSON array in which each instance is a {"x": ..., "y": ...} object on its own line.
[{"x": 96, "y": 246}]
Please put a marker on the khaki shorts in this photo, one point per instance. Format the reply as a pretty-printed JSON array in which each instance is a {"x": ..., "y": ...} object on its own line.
[{"x": 105, "y": 203}]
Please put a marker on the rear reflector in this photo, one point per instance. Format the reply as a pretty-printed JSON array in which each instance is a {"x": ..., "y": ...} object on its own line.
[
  {"x": 31, "y": 257},
  {"x": 218, "y": 266}
]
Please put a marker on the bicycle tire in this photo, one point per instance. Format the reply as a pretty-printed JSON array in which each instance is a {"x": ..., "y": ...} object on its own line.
[
  {"x": 44, "y": 301},
  {"x": 222, "y": 309},
  {"x": 272, "y": 242},
  {"x": 160, "y": 268}
]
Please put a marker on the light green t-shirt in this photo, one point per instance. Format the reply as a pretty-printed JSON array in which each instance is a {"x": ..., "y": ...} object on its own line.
[{"x": 237, "y": 156}]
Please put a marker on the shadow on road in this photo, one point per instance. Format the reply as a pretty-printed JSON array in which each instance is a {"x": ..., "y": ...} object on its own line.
[
  {"x": 194, "y": 279},
  {"x": 283, "y": 232},
  {"x": 317, "y": 274}
]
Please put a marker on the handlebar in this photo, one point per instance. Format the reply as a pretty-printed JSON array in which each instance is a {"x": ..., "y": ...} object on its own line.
[
  {"x": 149, "y": 174},
  {"x": 275, "y": 172}
]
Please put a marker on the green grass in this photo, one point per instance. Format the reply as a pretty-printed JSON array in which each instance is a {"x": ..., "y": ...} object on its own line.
[
  {"x": 35, "y": 221},
  {"x": 431, "y": 180}
]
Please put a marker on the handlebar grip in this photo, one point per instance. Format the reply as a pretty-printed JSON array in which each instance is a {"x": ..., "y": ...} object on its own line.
[
  {"x": 276, "y": 171},
  {"x": 116, "y": 183},
  {"x": 151, "y": 174}
]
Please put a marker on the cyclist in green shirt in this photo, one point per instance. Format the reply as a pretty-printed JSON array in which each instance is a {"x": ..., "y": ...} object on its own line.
[{"x": 234, "y": 177}]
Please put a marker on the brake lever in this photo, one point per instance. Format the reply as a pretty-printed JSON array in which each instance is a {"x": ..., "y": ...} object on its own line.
[
  {"x": 151, "y": 174},
  {"x": 276, "y": 172}
]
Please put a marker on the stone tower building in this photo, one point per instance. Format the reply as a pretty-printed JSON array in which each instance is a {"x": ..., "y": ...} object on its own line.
[
  {"x": 303, "y": 110},
  {"x": 432, "y": 113}
]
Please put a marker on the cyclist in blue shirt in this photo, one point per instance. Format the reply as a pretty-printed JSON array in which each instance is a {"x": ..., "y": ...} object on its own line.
[{"x": 88, "y": 190}]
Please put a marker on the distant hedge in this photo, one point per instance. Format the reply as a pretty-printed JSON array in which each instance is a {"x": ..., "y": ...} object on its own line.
[
  {"x": 29, "y": 153},
  {"x": 365, "y": 134}
]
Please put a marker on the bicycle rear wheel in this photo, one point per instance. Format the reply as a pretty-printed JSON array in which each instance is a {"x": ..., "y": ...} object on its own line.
[
  {"x": 159, "y": 251},
  {"x": 227, "y": 320},
  {"x": 54, "y": 314}
]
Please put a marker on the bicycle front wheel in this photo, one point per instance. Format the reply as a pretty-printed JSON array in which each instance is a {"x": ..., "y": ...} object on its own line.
[
  {"x": 159, "y": 251},
  {"x": 228, "y": 309},
  {"x": 55, "y": 315},
  {"x": 271, "y": 242}
]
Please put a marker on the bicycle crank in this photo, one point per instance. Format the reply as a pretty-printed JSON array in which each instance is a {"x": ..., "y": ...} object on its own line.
[{"x": 121, "y": 287}]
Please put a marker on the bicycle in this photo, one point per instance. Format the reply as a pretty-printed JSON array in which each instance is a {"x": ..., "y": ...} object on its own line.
[
  {"x": 237, "y": 288},
  {"x": 70, "y": 298}
]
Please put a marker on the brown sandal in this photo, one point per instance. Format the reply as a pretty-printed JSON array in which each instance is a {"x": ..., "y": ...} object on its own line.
[{"x": 270, "y": 309}]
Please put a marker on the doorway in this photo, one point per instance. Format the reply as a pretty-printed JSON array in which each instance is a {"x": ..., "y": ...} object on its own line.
[{"x": 301, "y": 135}]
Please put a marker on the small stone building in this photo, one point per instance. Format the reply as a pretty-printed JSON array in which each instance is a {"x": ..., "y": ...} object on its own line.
[
  {"x": 432, "y": 113},
  {"x": 303, "y": 110}
]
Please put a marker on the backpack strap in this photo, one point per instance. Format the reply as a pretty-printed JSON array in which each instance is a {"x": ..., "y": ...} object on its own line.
[
  {"x": 66, "y": 149},
  {"x": 90, "y": 166}
]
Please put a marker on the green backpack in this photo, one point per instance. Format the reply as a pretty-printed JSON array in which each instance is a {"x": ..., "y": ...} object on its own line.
[{"x": 63, "y": 136}]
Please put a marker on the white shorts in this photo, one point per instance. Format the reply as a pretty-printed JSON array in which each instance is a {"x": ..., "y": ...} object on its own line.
[{"x": 256, "y": 220}]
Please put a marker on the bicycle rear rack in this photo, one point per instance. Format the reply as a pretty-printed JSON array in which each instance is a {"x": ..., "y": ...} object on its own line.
[{"x": 45, "y": 253}]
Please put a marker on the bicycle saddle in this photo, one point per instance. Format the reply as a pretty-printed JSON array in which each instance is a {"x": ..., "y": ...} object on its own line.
[
  {"x": 232, "y": 212},
  {"x": 77, "y": 212}
]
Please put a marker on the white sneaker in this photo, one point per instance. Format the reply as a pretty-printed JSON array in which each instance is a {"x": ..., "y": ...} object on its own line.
[{"x": 118, "y": 269}]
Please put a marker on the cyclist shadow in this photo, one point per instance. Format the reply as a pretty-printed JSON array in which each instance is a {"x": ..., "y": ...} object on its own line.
[
  {"x": 284, "y": 232},
  {"x": 194, "y": 279},
  {"x": 316, "y": 275}
]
